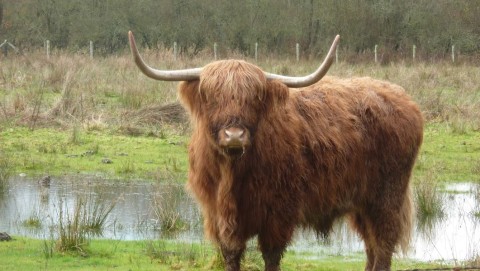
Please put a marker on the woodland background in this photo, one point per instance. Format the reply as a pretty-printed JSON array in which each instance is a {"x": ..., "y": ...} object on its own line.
[{"x": 277, "y": 25}]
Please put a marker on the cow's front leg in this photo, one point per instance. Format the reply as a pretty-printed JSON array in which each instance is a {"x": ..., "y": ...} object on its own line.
[
  {"x": 232, "y": 257},
  {"x": 273, "y": 242},
  {"x": 272, "y": 258}
]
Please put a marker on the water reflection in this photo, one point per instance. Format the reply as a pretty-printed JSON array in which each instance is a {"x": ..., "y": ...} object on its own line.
[
  {"x": 134, "y": 215},
  {"x": 153, "y": 210},
  {"x": 456, "y": 235}
]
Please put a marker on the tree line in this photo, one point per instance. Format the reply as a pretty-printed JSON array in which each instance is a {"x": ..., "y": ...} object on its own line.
[{"x": 433, "y": 26}]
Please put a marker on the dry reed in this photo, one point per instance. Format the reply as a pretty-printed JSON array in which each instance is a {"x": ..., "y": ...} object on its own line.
[{"x": 71, "y": 89}]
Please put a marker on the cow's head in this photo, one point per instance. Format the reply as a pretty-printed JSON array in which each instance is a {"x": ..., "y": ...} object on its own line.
[{"x": 228, "y": 98}]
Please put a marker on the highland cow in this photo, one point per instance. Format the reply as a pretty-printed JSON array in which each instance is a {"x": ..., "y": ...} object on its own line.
[{"x": 271, "y": 153}]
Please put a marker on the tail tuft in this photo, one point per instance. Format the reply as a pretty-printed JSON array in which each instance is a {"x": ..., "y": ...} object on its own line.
[{"x": 407, "y": 214}]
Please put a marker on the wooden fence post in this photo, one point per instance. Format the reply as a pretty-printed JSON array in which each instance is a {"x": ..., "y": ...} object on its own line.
[
  {"x": 376, "y": 58},
  {"x": 453, "y": 53},
  {"x": 215, "y": 50},
  {"x": 256, "y": 51},
  {"x": 5, "y": 48},
  {"x": 175, "y": 51},
  {"x": 48, "y": 49},
  {"x": 91, "y": 49},
  {"x": 297, "y": 50},
  {"x": 414, "y": 49}
]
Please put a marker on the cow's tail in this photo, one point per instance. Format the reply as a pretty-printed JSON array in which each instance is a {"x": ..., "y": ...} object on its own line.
[{"x": 407, "y": 214}]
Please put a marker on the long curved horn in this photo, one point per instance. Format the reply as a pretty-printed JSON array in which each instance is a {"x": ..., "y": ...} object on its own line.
[
  {"x": 298, "y": 82},
  {"x": 175, "y": 75}
]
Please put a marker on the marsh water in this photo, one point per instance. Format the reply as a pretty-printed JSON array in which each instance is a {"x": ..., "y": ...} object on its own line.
[{"x": 140, "y": 209}]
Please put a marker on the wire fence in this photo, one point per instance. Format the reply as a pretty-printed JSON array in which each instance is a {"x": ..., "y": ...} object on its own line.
[{"x": 378, "y": 55}]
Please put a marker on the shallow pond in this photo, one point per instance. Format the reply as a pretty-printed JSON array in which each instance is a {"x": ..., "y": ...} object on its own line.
[{"x": 140, "y": 210}]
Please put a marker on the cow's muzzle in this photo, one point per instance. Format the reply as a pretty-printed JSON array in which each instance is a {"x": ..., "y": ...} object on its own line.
[{"x": 234, "y": 140}]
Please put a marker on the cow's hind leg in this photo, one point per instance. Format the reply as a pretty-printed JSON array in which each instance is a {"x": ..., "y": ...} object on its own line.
[
  {"x": 380, "y": 236},
  {"x": 391, "y": 220},
  {"x": 387, "y": 229},
  {"x": 386, "y": 236},
  {"x": 361, "y": 226}
]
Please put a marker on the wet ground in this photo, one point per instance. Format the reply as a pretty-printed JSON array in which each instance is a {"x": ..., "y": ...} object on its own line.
[{"x": 30, "y": 208}]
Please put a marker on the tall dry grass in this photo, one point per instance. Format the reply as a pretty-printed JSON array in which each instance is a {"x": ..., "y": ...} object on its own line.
[
  {"x": 110, "y": 93},
  {"x": 6, "y": 170}
]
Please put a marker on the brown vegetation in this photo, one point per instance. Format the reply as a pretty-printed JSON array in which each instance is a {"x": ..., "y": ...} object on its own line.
[{"x": 68, "y": 90}]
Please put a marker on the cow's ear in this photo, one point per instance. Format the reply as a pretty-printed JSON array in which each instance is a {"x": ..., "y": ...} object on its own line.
[
  {"x": 189, "y": 95},
  {"x": 277, "y": 93}
]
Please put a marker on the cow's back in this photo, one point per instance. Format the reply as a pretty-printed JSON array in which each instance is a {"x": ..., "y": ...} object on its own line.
[{"x": 357, "y": 133}]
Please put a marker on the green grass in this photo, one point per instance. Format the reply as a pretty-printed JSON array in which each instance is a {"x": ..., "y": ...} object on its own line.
[
  {"x": 446, "y": 155},
  {"x": 52, "y": 151},
  {"x": 29, "y": 254},
  {"x": 449, "y": 156}
]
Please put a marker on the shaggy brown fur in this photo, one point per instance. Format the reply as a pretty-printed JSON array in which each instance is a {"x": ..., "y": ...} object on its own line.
[{"x": 341, "y": 147}]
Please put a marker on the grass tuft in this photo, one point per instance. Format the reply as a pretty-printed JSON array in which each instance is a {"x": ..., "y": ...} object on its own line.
[
  {"x": 476, "y": 194},
  {"x": 76, "y": 135},
  {"x": 34, "y": 221},
  {"x": 71, "y": 236},
  {"x": 166, "y": 208},
  {"x": 6, "y": 169},
  {"x": 75, "y": 229},
  {"x": 179, "y": 256},
  {"x": 126, "y": 168},
  {"x": 475, "y": 168},
  {"x": 95, "y": 214},
  {"x": 429, "y": 202}
]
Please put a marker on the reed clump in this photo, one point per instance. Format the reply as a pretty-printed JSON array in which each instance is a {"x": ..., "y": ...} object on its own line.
[
  {"x": 34, "y": 221},
  {"x": 166, "y": 209},
  {"x": 6, "y": 169},
  {"x": 476, "y": 210},
  {"x": 88, "y": 218},
  {"x": 429, "y": 202}
]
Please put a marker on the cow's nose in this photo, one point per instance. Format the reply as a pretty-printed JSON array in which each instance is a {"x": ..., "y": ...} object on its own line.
[
  {"x": 234, "y": 133},
  {"x": 234, "y": 138}
]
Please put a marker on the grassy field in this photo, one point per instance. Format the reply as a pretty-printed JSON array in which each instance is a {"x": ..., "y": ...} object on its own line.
[
  {"x": 70, "y": 114},
  {"x": 67, "y": 113},
  {"x": 47, "y": 151},
  {"x": 446, "y": 155},
  {"x": 32, "y": 254}
]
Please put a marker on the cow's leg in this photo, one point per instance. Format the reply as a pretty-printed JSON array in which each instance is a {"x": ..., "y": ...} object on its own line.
[
  {"x": 232, "y": 257},
  {"x": 360, "y": 224},
  {"x": 391, "y": 219},
  {"x": 387, "y": 232},
  {"x": 272, "y": 258},
  {"x": 273, "y": 242}
]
